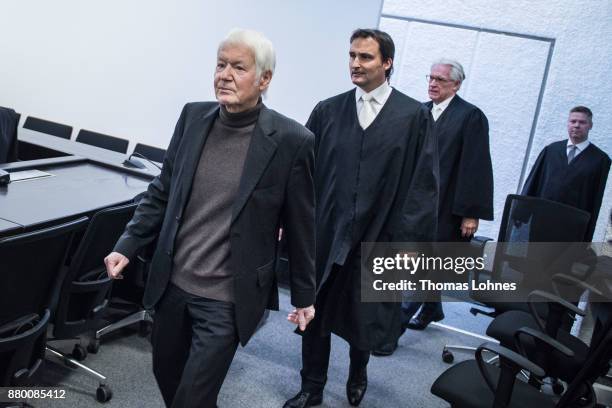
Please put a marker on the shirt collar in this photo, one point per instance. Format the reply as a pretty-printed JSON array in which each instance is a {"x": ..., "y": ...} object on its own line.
[
  {"x": 444, "y": 104},
  {"x": 581, "y": 146},
  {"x": 380, "y": 94}
]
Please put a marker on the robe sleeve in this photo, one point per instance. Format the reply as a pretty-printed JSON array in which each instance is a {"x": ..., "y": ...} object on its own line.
[
  {"x": 313, "y": 125},
  {"x": 530, "y": 188},
  {"x": 599, "y": 192},
  {"x": 474, "y": 190},
  {"x": 421, "y": 176}
]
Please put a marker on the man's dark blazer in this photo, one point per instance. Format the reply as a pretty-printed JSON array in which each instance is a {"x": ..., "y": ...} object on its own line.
[
  {"x": 8, "y": 135},
  {"x": 276, "y": 188},
  {"x": 466, "y": 172}
]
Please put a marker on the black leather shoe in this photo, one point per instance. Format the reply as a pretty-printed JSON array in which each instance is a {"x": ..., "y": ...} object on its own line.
[
  {"x": 304, "y": 399},
  {"x": 387, "y": 349},
  {"x": 356, "y": 385},
  {"x": 422, "y": 320}
]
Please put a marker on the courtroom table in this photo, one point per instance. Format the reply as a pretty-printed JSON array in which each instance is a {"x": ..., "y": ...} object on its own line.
[
  {"x": 7, "y": 226},
  {"x": 65, "y": 147},
  {"x": 77, "y": 184}
]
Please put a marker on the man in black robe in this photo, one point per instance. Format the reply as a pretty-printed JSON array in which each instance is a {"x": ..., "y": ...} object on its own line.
[
  {"x": 375, "y": 181},
  {"x": 8, "y": 135},
  {"x": 466, "y": 176},
  {"x": 572, "y": 171}
]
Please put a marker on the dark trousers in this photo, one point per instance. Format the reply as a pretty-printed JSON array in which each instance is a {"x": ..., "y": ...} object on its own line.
[
  {"x": 194, "y": 341},
  {"x": 315, "y": 358}
]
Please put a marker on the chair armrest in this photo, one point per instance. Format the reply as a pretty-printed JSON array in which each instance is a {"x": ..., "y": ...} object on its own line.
[
  {"x": 510, "y": 364},
  {"x": 93, "y": 275},
  {"x": 550, "y": 298},
  {"x": 479, "y": 241},
  {"x": 478, "y": 244},
  {"x": 540, "y": 336},
  {"x": 556, "y": 299},
  {"x": 522, "y": 362},
  {"x": 12, "y": 326},
  {"x": 567, "y": 279}
]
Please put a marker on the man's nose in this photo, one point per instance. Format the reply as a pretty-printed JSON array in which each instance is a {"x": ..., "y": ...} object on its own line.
[{"x": 225, "y": 73}]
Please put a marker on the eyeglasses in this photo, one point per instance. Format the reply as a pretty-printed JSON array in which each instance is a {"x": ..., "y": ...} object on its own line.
[{"x": 439, "y": 80}]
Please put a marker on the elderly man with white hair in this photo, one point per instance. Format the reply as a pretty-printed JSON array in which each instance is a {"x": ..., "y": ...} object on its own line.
[
  {"x": 466, "y": 177},
  {"x": 234, "y": 173}
]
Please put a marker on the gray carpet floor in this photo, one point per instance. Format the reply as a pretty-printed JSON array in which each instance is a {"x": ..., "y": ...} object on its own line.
[{"x": 266, "y": 372}]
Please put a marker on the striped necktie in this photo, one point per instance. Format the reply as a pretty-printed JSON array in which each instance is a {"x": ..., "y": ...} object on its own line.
[{"x": 571, "y": 153}]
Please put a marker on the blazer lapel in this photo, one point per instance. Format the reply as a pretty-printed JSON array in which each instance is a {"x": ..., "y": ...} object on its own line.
[
  {"x": 194, "y": 138},
  {"x": 261, "y": 150}
]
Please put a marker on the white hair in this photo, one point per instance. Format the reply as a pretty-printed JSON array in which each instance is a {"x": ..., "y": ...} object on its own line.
[
  {"x": 456, "y": 72},
  {"x": 262, "y": 48}
]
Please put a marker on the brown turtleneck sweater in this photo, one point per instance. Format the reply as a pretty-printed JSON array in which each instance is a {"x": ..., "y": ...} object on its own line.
[{"x": 202, "y": 247}]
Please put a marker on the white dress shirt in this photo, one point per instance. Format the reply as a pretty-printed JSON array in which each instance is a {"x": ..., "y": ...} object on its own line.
[
  {"x": 378, "y": 96},
  {"x": 579, "y": 147},
  {"x": 438, "y": 109}
]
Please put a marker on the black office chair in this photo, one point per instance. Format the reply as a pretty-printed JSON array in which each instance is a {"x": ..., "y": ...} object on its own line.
[
  {"x": 478, "y": 384},
  {"x": 550, "y": 318},
  {"x": 126, "y": 301},
  {"x": 9, "y": 120},
  {"x": 32, "y": 270},
  {"x": 48, "y": 127},
  {"x": 152, "y": 153},
  {"x": 525, "y": 220},
  {"x": 113, "y": 143},
  {"x": 22, "y": 349},
  {"x": 86, "y": 288}
]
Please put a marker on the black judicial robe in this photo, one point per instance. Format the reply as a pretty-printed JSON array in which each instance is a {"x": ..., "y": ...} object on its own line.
[
  {"x": 8, "y": 135},
  {"x": 580, "y": 183},
  {"x": 466, "y": 173},
  {"x": 373, "y": 185}
]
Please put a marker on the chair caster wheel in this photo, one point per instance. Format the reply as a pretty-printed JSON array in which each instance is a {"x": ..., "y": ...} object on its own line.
[
  {"x": 79, "y": 353},
  {"x": 103, "y": 393},
  {"x": 558, "y": 388},
  {"x": 447, "y": 357},
  {"x": 144, "y": 329},
  {"x": 93, "y": 346}
]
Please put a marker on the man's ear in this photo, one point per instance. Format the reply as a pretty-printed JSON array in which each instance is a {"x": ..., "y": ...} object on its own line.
[
  {"x": 264, "y": 80},
  {"x": 388, "y": 63}
]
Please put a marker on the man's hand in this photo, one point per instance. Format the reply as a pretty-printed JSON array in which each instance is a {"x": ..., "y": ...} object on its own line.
[
  {"x": 469, "y": 226},
  {"x": 115, "y": 262},
  {"x": 302, "y": 316}
]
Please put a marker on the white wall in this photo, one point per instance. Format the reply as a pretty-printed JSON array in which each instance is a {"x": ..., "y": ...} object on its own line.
[
  {"x": 502, "y": 68},
  {"x": 127, "y": 67}
]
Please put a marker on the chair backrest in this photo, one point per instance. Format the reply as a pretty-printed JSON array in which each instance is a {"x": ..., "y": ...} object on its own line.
[
  {"x": 101, "y": 140},
  {"x": 528, "y": 220},
  {"x": 535, "y": 220},
  {"x": 48, "y": 127},
  {"x": 9, "y": 120},
  {"x": 152, "y": 153},
  {"x": 532, "y": 219},
  {"x": 32, "y": 263},
  {"x": 86, "y": 287},
  {"x": 22, "y": 349},
  {"x": 32, "y": 269}
]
